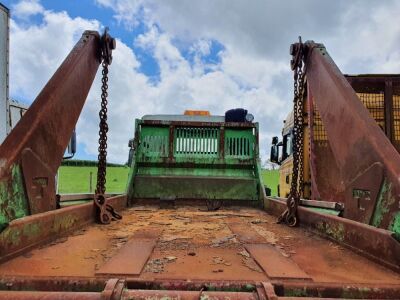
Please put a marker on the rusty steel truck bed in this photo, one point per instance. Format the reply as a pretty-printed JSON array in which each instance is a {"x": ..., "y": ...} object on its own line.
[
  {"x": 240, "y": 252},
  {"x": 196, "y": 221}
]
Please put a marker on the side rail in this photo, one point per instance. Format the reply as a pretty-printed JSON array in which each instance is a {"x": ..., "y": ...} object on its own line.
[{"x": 374, "y": 243}]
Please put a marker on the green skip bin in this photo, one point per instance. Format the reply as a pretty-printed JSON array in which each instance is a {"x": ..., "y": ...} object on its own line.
[{"x": 195, "y": 157}]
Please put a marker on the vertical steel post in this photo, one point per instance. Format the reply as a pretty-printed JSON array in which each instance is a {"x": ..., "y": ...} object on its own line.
[
  {"x": 171, "y": 142},
  {"x": 90, "y": 182},
  {"x": 222, "y": 142},
  {"x": 388, "y": 104},
  {"x": 4, "y": 54}
]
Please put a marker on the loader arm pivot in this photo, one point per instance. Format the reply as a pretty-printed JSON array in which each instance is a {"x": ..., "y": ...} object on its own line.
[
  {"x": 368, "y": 163},
  {"x": 33, "y": 151}
]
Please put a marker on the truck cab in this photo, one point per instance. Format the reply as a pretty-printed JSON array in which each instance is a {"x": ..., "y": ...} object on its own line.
[{"x": 281, "y": 153}]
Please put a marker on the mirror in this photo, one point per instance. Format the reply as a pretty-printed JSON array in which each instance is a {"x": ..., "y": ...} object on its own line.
[
  {"x": 130, "y": 157},
  {"x": 131, "y": 145},
  {"x": 71, "y": 148},
  {"x": 274, "y": 154},
  {"x": 72, "y": 143}
]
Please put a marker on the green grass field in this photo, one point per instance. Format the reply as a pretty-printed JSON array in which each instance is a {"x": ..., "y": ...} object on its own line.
[
  {"x": 76, "y": 179},
  {"x": 271, "y": 180}
]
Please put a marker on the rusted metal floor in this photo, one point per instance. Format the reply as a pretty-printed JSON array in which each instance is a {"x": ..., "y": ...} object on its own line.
[{"x": 194, "y": 244}]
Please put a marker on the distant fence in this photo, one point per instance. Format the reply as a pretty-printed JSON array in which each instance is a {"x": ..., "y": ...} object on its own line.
[{"x": 85, "y": 163}]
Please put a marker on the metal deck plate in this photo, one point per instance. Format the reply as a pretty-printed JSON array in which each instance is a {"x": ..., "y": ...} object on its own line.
[
  {"x": 274, "y": 264},
  {"x": 245, "y": 234},
  {"x": 132, "y": 257}
]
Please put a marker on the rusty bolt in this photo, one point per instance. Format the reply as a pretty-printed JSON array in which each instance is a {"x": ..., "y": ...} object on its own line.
[
  {"x": 113, "y": 44},
  {"x": 292, "y": 50}
]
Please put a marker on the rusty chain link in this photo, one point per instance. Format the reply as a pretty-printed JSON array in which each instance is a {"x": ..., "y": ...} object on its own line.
[
  {"x": 103, "y": 129},
  {"x": 104, "y": 212},
  {"x": 289, "y": 216}
]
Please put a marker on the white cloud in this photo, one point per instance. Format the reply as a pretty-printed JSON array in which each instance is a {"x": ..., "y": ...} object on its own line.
[
  {"x": 27, "y": 8},
  {"x": 361, "y": 36},
  {"x": 36, "y": 51},
  {"x": 368, "y": 39},
  {"x": 129, "y": 11},
  {"x": 252, "y": 70}
]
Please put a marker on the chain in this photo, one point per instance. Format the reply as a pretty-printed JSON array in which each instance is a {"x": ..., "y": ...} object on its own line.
[
  {"x": 289, "y": 216},
  {"x": 104, "y": 212},
  {"x": 102, "y": 157}
]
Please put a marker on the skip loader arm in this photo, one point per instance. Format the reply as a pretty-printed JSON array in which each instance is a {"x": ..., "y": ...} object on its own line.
[
  {"x": 33, "y": 151},
  {"x": 369, "y": 165}
]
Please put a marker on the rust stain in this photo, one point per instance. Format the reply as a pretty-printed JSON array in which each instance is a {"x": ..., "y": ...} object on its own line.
[{"x": 196, "y": 245}]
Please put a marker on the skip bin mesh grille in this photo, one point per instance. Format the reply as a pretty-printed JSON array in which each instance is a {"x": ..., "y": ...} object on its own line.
[
  {"x": 155, "y": 146},
  {"x": 197, "y": 141},
  {"x": 238, "y": 147},
  {"x": 396, "y": 112},
  {"x": 374, "y": 102}
]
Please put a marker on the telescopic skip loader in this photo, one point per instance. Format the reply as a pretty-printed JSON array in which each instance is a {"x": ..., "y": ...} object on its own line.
[
  {"x": 182, "y": 250},
  {"x": 351, "y": 142}
]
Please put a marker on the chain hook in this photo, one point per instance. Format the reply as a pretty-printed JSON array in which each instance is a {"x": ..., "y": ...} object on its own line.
[{"x": 108, "y": 44}]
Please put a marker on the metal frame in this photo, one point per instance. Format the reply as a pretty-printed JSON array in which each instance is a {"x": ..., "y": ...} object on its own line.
[
  {"x": 4, "y": 56},
  {"x": 121, "y": 289},
  {"x": 374, "y": 243},
  {"x": 379, "y": 83},
  {"x": 359, "y": 168},
  {"x": 34, "y": 149}
]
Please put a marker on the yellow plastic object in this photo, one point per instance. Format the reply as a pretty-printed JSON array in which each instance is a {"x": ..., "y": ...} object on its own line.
[{"x": 197, "y": 113}]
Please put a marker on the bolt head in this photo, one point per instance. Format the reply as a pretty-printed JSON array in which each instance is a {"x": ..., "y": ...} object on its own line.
[
  {"x": 292, "y": 50},
  {"x": 113, "y": 44}
]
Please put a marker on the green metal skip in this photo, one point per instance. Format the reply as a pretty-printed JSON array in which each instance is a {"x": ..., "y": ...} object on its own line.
[{"x": 195, "y": 157}]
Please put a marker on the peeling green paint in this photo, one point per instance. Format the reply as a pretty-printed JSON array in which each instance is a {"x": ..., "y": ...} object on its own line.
[
  {"x": 14, "y": 236},
  {"x": 325, "y": 210},
  {"x": 355, "y": 293},
  {"x": 211, "y": 287},
  {"x": 65, "y": 222},
  {"x": 395, "y": 226},
  {"x": 11, "y": 237},
  {"x": 249, "y": 288},
  {"x": 348, "y": 292},
  {"x": 32, "y": 230},
  {"x": 13, "y": 201},
  {"x": 335, "y": 231},
  {"x": 296, "y": 292},
  {"x": 381, "y": 207}
]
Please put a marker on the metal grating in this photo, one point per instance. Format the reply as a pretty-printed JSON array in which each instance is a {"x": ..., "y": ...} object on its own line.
[
  {"x": 375, "y": 103},
  {"x": 155, "y": 146},
  {"x": 320, "y": 136},
  {"x": 396, "y": 112},
  {"x": 196, "y": 141},
  {"x": 238, "y": 147}
]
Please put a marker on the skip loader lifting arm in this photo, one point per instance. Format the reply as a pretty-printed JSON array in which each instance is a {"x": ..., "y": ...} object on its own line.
[
  {"x": 33, "y": 151},
  {"x": 368, "y": 164}
]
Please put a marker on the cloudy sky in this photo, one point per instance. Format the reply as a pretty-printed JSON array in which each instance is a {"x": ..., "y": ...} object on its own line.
[{"x": 215, "y": 55}]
